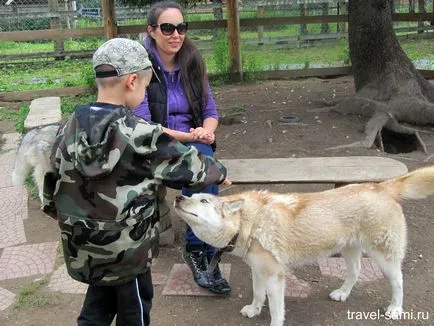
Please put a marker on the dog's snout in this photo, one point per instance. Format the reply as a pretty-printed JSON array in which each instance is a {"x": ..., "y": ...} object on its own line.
[{"x": 179, "y": 198}]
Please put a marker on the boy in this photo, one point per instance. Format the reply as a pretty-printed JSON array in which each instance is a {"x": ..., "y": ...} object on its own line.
[{"x": 108, "y": 166}]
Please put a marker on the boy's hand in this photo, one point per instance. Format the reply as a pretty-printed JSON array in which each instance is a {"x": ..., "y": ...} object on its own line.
[{"x": 226, "y": 182}]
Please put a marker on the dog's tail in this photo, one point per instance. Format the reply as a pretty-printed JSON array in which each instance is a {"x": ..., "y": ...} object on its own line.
[
  {"x": 417, "y": 184},
  {"x": 21, "y": 168}
]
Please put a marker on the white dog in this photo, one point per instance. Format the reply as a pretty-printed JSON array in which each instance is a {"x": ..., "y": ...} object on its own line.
[
  {"x": 34, "y": 155},
  {"x": 275, "y": 231}
]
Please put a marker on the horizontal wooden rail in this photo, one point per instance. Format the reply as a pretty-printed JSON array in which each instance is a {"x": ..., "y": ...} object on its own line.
[
  {"x": 36, "y": 55},
  {"x": 21, "y": 96},
  {"x": 24, "y": 96},
  {"x": 52, "y": 34},
  {"x": 61, "y": 34}
]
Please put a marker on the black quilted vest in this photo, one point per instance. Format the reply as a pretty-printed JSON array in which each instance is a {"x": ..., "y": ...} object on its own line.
[{"x": 157, "y": 98}]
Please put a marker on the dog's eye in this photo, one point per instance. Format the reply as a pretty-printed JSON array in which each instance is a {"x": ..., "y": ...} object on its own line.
[{"x": 204, "y": 201}]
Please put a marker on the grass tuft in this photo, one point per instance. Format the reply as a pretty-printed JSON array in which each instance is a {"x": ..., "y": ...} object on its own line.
[{"x": 31, "y": 296}]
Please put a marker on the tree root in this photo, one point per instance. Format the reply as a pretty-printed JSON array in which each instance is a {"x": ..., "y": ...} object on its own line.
[{"x": 382, "y": 129}]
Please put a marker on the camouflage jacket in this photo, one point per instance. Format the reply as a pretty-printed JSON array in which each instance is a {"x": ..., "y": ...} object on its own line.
[{"x": 108, "y": 166}]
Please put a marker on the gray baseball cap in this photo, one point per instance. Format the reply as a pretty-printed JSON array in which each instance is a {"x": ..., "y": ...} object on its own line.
[{"x": 124, "y": 55}]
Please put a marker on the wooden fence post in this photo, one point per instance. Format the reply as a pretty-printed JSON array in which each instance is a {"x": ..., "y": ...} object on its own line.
[
  {"x": 217, "y": 9},
  {"x": 260, "y": 14},
  {"x": 53, "y": 8},
  {"x": 342, "y": 10},
  {"x": 411, "y": 6},
  {"x": 109, "y": 16},
  {"x": 325, "y": 11},
  {"x": 422, "y": 9},
  {"x": 234, "y": 40},
  {"x": 302, "y": 9},
  {"x": 432, "y": 15}
]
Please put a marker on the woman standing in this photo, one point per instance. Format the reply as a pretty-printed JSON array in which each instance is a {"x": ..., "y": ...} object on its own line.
[{"x": 180, "y": 99}]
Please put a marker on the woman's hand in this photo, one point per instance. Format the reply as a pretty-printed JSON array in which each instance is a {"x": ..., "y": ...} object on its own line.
[{"x": 202, "y": 135}]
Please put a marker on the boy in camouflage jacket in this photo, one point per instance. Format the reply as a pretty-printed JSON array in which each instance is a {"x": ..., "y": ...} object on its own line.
[{"x": 108, "y": 166}]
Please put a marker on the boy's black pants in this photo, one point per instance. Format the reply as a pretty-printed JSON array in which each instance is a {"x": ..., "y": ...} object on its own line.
[{"x": 131, "y": 302}]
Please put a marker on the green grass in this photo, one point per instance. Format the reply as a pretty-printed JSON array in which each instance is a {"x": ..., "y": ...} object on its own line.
[
  {"x": 46, "y": 75},
  {"x": 55, "y": 74},
  {"x": 69, "y": 102},
  {"x": 9, "y": 47},
  {"x": 31, "y": 296},
  {"x": 17, "y": 116},
  {"x": 421, "y": 49},
  {"x": 8, "y": 114},
  {"x": 32, "y": 189}
]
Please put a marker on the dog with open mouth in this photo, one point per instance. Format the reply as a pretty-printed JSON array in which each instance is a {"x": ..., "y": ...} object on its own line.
[{"x": 274, "y": 232}]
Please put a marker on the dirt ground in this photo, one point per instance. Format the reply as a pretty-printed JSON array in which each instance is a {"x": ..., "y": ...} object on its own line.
[{"x": 258, "y": 134}]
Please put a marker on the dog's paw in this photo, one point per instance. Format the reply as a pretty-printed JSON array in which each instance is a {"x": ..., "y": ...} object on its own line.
[
  {"x": 338, "y": 295},
  {"x": 393, "y": 312},
  {"x": 250, "y": 311}
]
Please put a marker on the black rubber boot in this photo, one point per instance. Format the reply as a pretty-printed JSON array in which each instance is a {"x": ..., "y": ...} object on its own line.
[
  {"x": 220, "y": 284},
  {"x": 196, "y": 259}
]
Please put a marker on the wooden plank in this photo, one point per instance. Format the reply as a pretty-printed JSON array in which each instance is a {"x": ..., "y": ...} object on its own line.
[
  {"x": 51, "y": 34},
  {"x": 351, "y": 169},
  {"x": 33, "y": 94},
  {"x": 412, "y": 17},
  {"x": 297, "y": 73},
  {"x": 37, "y": 55},
  {"x": 254, "y": 22},
  {"x": 428, "y": 74}
]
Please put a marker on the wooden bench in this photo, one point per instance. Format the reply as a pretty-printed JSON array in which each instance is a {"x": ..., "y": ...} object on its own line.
[{"x": 331, "y": 170}]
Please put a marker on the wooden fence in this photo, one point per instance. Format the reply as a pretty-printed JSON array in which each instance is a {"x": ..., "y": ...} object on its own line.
[{"x": 232, "y": 25}]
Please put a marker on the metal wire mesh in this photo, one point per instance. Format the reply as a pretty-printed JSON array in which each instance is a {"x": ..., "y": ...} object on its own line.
[{"x": 262, "y": 41}]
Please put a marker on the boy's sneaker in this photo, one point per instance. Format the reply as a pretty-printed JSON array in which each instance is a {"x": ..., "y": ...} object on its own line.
[{"x": 197, "y": 261}]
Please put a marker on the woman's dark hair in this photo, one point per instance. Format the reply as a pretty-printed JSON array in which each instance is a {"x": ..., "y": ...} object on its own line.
[{"x": 189, "y": 59}]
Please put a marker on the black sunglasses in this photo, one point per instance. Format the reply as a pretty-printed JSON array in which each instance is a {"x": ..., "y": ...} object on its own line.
[{"x": 168, "y": 28}]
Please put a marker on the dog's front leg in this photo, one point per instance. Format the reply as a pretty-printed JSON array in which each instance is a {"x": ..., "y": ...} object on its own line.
[
  {"x": 276, "y": 298},
  {"x": 259, "y": 289}
]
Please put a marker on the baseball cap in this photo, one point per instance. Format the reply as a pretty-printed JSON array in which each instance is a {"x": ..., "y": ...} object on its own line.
[{"x": 124, "y": 55}]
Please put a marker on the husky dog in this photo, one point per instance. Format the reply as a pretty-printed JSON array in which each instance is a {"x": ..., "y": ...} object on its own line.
[
  {"x": 277, "y": 231},
  {"x": 34, "y": 154}
]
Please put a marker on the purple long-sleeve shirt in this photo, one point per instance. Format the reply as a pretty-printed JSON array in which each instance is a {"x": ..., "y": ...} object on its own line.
[{"x": 179, "y": 117}]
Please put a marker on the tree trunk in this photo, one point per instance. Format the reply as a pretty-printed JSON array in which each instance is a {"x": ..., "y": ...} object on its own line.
[{"x": 389, "y": 89}]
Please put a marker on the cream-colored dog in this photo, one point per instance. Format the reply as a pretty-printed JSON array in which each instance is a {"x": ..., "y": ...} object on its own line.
[{"x": 276, "y": 231}]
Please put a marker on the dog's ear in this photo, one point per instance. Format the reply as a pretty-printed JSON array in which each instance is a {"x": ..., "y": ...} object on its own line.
[{"x": 230, "y": 207}]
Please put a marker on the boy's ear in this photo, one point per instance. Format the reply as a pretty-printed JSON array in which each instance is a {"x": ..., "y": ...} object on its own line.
[{"x": 131, "y": 80}]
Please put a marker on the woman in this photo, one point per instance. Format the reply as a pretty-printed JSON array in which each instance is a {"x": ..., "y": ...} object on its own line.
[{"x": 179, "y": 98}]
